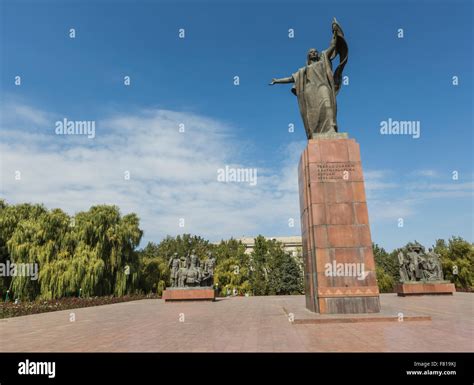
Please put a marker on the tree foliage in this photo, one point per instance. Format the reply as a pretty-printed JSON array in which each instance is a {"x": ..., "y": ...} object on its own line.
[
  {"x": 386, "y": 269},
  {"x": 457, "y": 258},
  {"x": 273, "y": 270},
  {"x": 93, "y": 252},
  {"x": 232, "y": 268}
]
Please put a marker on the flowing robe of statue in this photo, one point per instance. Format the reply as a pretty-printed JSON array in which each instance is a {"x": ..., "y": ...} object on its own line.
[{"x": 316, "y": 87}]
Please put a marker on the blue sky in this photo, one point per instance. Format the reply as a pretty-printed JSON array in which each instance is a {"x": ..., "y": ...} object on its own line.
[{"x": 190, "y": 81}]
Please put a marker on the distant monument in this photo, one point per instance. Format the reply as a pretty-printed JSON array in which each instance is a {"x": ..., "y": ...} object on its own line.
[
  {"x": 421, "y": 273},
  {"x": 415, "y": 265},
  {"x": 337, "y": 246},
  {"x": 190, "y": 281}
]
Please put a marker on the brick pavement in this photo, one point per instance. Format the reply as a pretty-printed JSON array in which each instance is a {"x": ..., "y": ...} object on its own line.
[{"x": 241, "y": 324}]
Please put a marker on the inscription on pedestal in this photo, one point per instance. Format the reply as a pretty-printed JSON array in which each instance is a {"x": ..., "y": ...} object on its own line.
[{"x": 327, "y": 172}]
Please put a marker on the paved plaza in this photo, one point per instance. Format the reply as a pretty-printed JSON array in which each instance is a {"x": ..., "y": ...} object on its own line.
[{"x": 248, "y": 324}]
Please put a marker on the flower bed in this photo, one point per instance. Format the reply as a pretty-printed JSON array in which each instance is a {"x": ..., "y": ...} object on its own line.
[{"x": 10, "y": 309}]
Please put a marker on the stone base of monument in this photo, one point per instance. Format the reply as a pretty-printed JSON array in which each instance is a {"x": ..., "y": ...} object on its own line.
[
  {"x": 337, "y": 246},
  {"x": 425, "y": 288},
  {"x": 390, "y": 312},
  {"x": 189, "y": 294}
]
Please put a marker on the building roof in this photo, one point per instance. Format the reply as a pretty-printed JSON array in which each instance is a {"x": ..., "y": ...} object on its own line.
[{"x": 248, "y": 241}]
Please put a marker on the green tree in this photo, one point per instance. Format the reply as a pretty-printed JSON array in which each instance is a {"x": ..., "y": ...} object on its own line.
[
  {"x": 385, "y": 281},
  {"x": 106, "y": 261},
  {"x": 258, "y": 268},
  {"x": 386, "y": 268},
  {"x": 95, "y": 252},
  {"x": 457, "y": 258},
  {"x": 232, "y": 269},
  {"x": 183, "y": 245},
  {"x": 274, "y": 271},
  {"x": 231, "y": 274},
  {"x": 154, "y": 270},
  {"x": 285, "y": 275},
  {"x": 10, "y": 217}
]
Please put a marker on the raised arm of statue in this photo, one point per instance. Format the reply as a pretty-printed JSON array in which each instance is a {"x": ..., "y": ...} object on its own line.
[
  {"x": 289, "y": 79},
  {"x": 330, "y": 51}
]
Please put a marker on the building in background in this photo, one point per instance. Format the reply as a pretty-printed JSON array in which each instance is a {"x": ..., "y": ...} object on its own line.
[{"x": 293, "y": 245}]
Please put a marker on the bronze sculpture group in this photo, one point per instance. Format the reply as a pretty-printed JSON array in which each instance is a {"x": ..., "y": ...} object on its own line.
[
  {"x": 416, "y": 265},
  {"x": 187, "y": 271}
]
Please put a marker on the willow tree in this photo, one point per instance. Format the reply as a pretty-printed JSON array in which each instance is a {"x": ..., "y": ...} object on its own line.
[
  {"x": 10, "y": 217},
  {"x": 56, "y": 273},
  {"x": 105, "y": 258},
  {"x": 39, "y": 241},
  {"x": 93, "y": 252}
]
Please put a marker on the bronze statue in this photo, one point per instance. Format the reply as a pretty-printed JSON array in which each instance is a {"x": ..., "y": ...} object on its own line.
[
  {"x": 187, "y": 271},
  {"x": 208, "y": 272},
  {"x": 193, "y": 273},
  {"x": 174, "y": 265},
  {"x": 416, "y": 265},
  {"x": 182, "y": 273},
  {"x": 316, "y": 86}
]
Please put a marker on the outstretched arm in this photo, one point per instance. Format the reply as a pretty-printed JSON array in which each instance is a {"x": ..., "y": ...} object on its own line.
[{"x": 283, "y": 80}]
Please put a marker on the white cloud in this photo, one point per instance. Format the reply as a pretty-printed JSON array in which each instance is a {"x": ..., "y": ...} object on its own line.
[
  {"x": 24, "y": 113},
  {"x": 425, "y": 173},
  {"x": 452, "y": 189},
  {"x": 172, "y": 174},
  {"x": 390, "y": 209},
  {"x": 390, "y": 199},
  {"x": 378, "y": 180}
]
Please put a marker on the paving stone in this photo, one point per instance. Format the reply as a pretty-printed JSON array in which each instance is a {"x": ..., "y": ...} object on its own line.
[{"x": 249, "y": 324}]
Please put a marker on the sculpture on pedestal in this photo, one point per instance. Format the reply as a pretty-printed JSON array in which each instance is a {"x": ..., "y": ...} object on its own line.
[
  {"x": 333, "y": 208},
  {"x": 187, "y": 271},
  {"x": 316, "y": 86},
  {"x": 416, "y": 265}
]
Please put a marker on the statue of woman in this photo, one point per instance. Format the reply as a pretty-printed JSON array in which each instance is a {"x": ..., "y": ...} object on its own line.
[{"x": 316, "y": 86}]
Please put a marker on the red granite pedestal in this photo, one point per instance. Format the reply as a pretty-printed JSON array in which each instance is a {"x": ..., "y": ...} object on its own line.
[
  {"x": 337, "y": 247},
  {"x": 425, "y": 288},
  {"x": 189, "y": 294}
]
